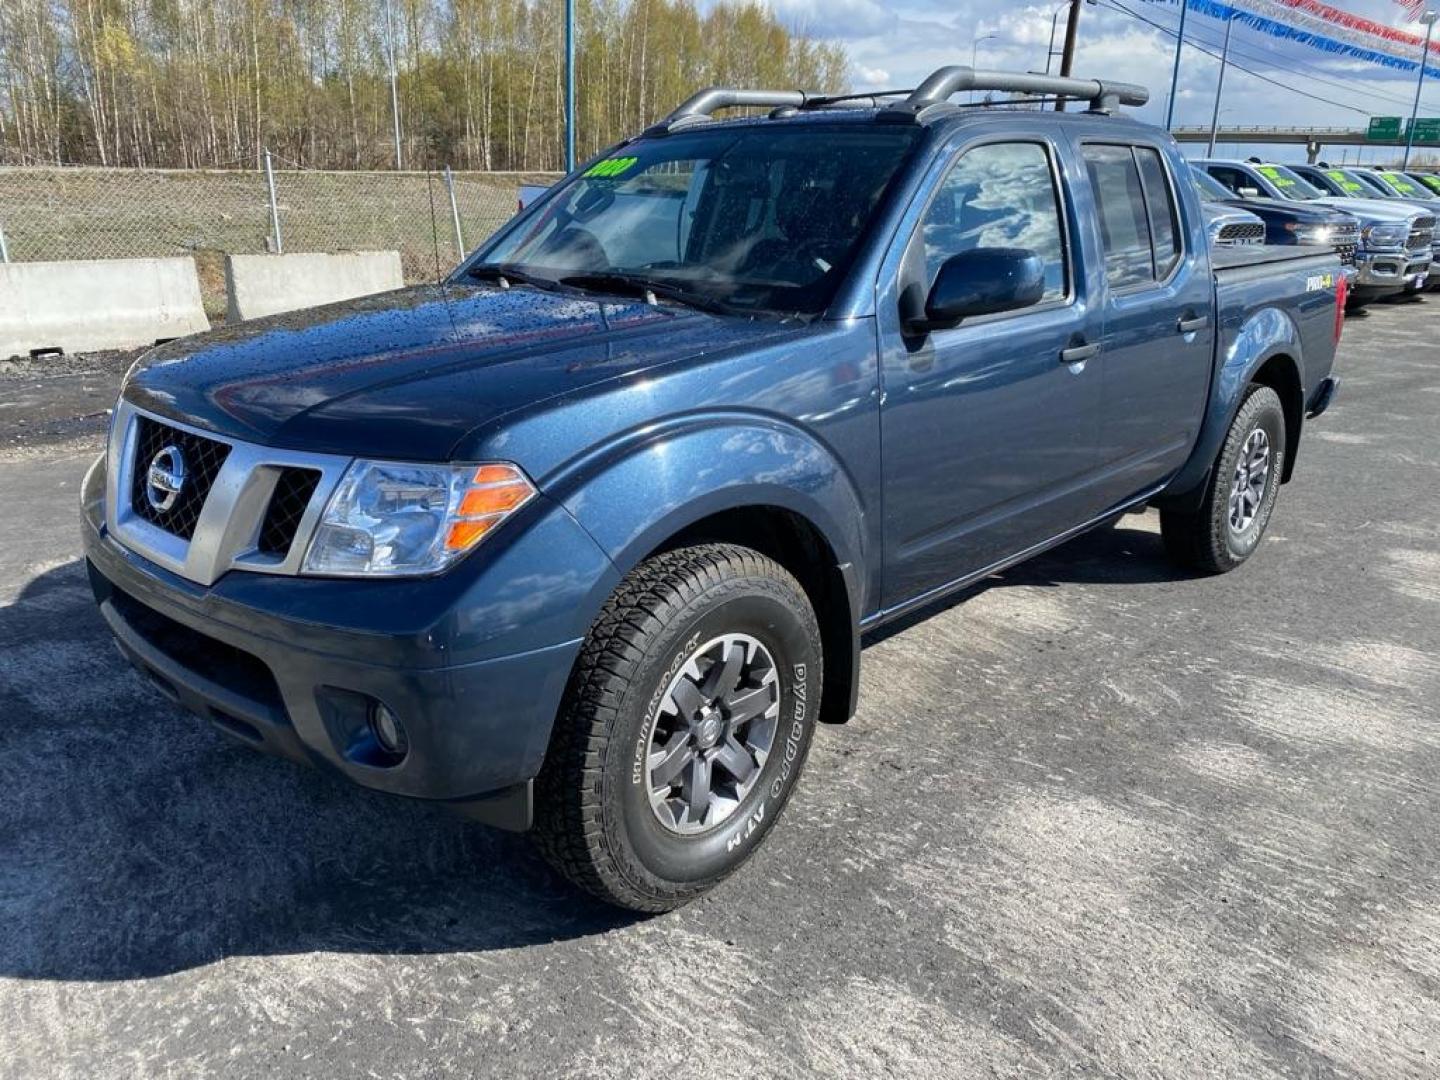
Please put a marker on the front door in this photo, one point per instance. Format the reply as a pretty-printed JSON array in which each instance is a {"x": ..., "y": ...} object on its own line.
[{"x": 988, "y": 429}]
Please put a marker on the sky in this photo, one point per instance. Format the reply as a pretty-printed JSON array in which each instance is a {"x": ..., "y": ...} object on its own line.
[{"x": 895, "y": 43}]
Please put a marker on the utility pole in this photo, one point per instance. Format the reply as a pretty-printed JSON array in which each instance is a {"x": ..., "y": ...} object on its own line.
[
  {"x": 1175, "y": 72},
  {"x": 1067, "y": 59},
  {"x": 1429, "y": 20},
  {"x": 394, "y": 94},
  {"x": 569, "y": 85},
  {"x": 1220, "y": 86}
]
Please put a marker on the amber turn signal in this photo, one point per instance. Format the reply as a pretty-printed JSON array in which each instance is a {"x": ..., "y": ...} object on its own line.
[{"x": 494, "y": 492}]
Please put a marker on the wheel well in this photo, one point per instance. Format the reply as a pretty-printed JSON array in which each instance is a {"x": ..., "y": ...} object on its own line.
[
  {"x": 1280, "y": 374},
  {"x": 796, "y": 544}
]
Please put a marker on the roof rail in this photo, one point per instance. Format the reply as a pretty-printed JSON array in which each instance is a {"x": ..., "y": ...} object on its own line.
[
  {"x": 1104, "y": 97},
  {"x": 702, "y": 106}
]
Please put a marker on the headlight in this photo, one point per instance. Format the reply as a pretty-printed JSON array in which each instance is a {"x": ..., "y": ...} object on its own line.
[
  {"x": 1312, "y": 234},
  {"x": 396, "y": 519},
  {"x": 1386, "y": 236}
]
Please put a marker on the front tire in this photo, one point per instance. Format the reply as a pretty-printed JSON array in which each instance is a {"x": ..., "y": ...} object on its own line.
[
  {"x": 1240, "y": 495},
  {"x": 683, "y": 729}
]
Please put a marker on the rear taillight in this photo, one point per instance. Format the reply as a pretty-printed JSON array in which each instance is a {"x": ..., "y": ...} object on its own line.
[{"x": 1342, "y": 294}]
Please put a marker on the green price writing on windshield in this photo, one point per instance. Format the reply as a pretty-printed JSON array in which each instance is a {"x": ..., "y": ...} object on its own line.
[
  {"x": 612, "y": 167},
  {"x": 1346, "y": 184},
  {"x": 1277, "y": 176}
]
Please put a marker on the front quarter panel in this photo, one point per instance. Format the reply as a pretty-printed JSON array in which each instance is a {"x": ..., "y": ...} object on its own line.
[{"x": 792, "y": 423}]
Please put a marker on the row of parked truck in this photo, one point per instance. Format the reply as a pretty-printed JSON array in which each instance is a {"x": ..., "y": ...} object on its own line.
[{"x": 1380, "y": 221}]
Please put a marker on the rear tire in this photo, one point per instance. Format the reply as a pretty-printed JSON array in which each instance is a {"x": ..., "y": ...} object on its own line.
[
  {"x": 1240, "y": 496},
  {"x": 683, "y": 729}
]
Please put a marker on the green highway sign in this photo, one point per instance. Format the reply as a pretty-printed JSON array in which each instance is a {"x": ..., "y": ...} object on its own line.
[
  {"x": 1427, "y": 129},
  {"x": 1385, "y": 127}
]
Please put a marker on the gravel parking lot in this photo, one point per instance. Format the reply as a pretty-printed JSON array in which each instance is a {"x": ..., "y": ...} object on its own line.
[{"x": 1093, "y": 818}]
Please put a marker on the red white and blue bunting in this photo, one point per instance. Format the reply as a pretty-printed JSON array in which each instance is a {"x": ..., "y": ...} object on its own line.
[{"x": 1324, "y": 27}]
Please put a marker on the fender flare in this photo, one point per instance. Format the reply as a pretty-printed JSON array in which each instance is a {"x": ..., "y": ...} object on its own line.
[{"x": 645, "y": 487}]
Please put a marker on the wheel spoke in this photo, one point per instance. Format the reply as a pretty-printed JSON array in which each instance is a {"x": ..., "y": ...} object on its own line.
[
  {"x": 725, "y": 676},
  {"x": 746, "y": 705},
  {"x": 696, "y": 790},
  {"x": 665, "y": 764},
  {"x": 688, "y": 699},
  {"x": 736, "y": 760}
]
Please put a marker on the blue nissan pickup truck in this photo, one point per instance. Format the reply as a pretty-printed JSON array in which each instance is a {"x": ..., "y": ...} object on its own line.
[{"x": 583, "y": 540}]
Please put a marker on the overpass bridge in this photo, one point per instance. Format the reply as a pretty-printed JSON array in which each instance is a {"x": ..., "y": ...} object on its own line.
[{"x": 1312, "y": 138}]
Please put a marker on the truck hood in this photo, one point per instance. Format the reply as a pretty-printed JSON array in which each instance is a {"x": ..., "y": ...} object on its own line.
[
  {"x": 1371, "y": 210},
  {"x": 407, "y": 374}
]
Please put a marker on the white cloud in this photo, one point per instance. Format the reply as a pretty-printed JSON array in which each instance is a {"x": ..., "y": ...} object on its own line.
[{"x": 896, "y": 43}]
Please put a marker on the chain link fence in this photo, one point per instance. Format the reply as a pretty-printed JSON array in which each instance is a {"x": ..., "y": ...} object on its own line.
[{"x": 71, "y": 212}]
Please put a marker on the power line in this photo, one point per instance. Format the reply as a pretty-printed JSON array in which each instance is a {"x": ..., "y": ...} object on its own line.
[
  {"x": 1117, "y": 6},
  {"x": 1304, "y": 70}
]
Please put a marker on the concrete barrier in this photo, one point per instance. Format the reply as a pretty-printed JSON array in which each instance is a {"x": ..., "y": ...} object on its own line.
[
  {"x": 257, "y": 285},
  {"x": 84, "y": 304}
]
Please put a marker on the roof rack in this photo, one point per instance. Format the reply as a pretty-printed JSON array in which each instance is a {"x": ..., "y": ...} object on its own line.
[
  {"x": 702, "y": 106},
  {"x": 921, "y": 103},
  {"x": 935, "y": 91}
]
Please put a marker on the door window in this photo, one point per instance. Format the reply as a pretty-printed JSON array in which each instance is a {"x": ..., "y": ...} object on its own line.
[
  {"x": 1139, "y": 224},
  {"x": 1001, "y": 195},
  {"x": 1160, "y": 202},
  {"x": 1237, "y": 181}
]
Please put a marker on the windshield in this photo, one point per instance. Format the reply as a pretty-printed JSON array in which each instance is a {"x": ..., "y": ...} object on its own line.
[
  {"x": 755, "y": 218},
  {"x": 1403, "y": 185},
  {"x": 1430, "y": 180},
  {"x": 1345, "y": 183},
  {"x": 1211, "y": 190},
  {"x": 1374, "y": 186},
  {"x": 1291, "y": 184}
]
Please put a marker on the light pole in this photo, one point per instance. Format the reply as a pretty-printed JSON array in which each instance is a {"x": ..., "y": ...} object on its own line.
[
  {"x": 394, "y": 94},
  {"x": 1175, "y": 73},
  {"x": 1054, "y": 29},
  {"x": 1429, "y": 20},
  {"x": 1220, "y": 86},
  {"x": 975, "y": 54},
  {"x": 569, "y": 85}
]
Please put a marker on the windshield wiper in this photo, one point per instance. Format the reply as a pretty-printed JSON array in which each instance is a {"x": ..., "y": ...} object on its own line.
[
  {"x": 508, "y": 274},
  {"x": 647, "y": 289}
]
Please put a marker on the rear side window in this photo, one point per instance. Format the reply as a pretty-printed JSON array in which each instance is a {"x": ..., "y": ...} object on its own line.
[
  {"x": 1160, "y": 202},
  {"x": 1139, "y": 225},
  {"x": 1000, "y": 195},
  {"x": 1115, "y": 179}
]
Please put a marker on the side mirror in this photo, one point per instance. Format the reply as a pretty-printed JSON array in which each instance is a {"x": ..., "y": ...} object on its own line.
[
  {"x": 1249, "y": 193},
  {"x": 982, "y": 282}
]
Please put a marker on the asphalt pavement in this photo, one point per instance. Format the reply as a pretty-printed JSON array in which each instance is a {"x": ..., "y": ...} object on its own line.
[{"x": 1094, "y": 818}]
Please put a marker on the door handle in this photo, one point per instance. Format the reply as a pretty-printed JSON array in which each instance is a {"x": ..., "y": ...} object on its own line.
[
  {"x": 1078, "y": 354},
  {"x": 1189, "y": 326}
]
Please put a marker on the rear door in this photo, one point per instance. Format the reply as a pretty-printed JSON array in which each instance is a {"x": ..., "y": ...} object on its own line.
[
  {"x": 988, "y": 433},
  {"x": 1159, "y": 335}
]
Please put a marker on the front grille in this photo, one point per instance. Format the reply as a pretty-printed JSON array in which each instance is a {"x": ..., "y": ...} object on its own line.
[
  {"x": 1347, "y": 243},
  {"x": 1422, "y": 235},
  {"x": 293, "y": 492},
  {"x": 202, "y": 459},
  {"x": 1245, "y": 232}
]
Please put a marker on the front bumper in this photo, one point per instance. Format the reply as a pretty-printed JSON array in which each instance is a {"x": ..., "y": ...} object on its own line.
[
  {"x": 288, "y": 667},
  {"x": 1386, "y": 272}
]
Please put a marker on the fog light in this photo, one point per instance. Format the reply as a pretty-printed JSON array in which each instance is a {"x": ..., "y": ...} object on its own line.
[{"x": 388, "y": 730}]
